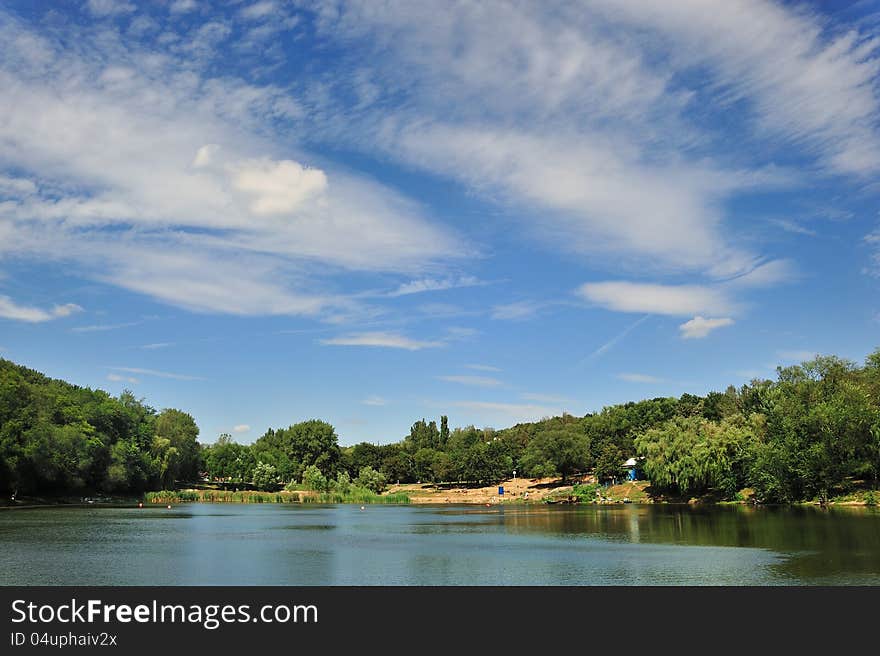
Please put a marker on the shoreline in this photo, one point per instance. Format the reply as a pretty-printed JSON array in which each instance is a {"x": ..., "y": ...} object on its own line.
[{"x": 531, "y": 492}]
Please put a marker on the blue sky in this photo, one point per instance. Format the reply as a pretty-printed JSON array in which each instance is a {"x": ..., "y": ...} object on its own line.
[{"x": 372, "y": 212}]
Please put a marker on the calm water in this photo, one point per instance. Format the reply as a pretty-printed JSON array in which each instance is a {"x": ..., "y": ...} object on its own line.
[{"x": 203, "y": 544}]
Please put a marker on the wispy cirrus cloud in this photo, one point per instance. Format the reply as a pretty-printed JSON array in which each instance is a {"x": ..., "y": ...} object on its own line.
[
  {"x": 516, "y": 311},
  {"x": 99, "y": 135},
  {"x": 793, "y": 227},
  {"x": 382, "y": 340},
  {"x": 374, "y": 400},
  {"x": 103, "y": 327},
  {"x": 435, "y": 284},
  {"x": 807, "y": 85},
  {"x": 158, "y": 374},
  {"x": 572, "y": 146}
]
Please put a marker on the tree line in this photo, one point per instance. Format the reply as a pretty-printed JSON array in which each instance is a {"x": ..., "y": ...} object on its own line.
[
  {"x": 59, "y": 438},
  {"x": 810, "y": 434}
]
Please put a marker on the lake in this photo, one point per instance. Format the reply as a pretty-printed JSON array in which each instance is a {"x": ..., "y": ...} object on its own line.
[{"x": 227, "y": 544}]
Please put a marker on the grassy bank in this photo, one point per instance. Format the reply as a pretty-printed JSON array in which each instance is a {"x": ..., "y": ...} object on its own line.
[{"x": 249, "y": 496}]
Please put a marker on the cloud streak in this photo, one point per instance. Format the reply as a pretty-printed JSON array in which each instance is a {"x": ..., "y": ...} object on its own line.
[
  {"x": 382, "y": 340},
  {"x": 9, "y": 309},
  {"x": 433, "y": 285},
  {"x": 611, "y": 343},
  {"x": 158, "y": 374}
]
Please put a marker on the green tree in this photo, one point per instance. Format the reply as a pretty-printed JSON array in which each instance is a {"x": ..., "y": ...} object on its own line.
[
  {"x": 692, "y": 455},
  {"x": 609, "y": 464},
  {"x": 565, "y": 451},
  {"x": 444, "y": 433},
  {"x": 423, "y": 460},
  {"x": 264, "y": 476},
  {"x": 342, "y": 484},
  {"x": 313, "y": 478},
  {"x": 182, "y": 432},
  {"x": 370, "y": 479},
  {"x": 166, "y": 461},
  {"x": 291, "y": 450}
]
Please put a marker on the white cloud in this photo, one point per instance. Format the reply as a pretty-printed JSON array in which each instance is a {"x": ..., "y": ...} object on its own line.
[
  {"x": 700, "y": 327},
  {"x": 434, "y": 284},
  {"x": 182, "y": 6},
  {"x": 374, "y": 400},
  {"x": 241, "y": 428},
  {"x": 515, "y": 311},
  {"x": 113, "y": 179},
  {"x": 278, "y": 187},
  {"x": 110, "y": 7},
  {"x": 66, "y": 310},
  {"x": 558, "y": 110},
  {"x": 259, "y": 10},
  {"x": 157, "y": 345},
  {"x": 793, "y": 227},
  {"x": 658, "y": 299},
  {"x": 116, "y": 378},
  {"x": 9, "y": 309},
  {"x": 104, "y": 327},
  {"x": 639, "y": 378},
  {"x": 800, "y": 80},
  {"x": 16, "y": 187},
  {"x": 476, "y": 381},
  {"x": 158, "y": 374},
  {"x": 381, "y": 339}
]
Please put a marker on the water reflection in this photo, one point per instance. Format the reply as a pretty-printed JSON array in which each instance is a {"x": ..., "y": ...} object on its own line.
[{"x": 514, "y": 545}]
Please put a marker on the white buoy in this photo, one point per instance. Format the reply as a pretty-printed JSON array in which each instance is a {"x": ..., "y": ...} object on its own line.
[{"x": 362, "y": 507}]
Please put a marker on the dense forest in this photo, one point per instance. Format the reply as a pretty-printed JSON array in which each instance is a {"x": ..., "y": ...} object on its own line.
[
  {"x": 813, "y": 433},
  {"x": 56, "y": 438}
]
